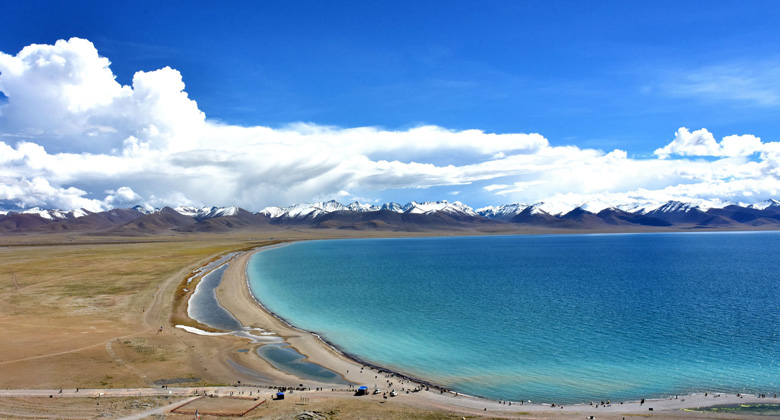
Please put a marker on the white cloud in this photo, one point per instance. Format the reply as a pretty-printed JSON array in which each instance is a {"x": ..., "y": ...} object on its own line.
[
  {"x": 494, "y": 187},
  {"x": 756, "y": 84},
  {"x": 702, "y": 143},
  {"x": 124, "y": 196},
  {"x": 37, "y": 192},
  {"x": 65, "y": 97},
  {"x": 71, "y": 136}
]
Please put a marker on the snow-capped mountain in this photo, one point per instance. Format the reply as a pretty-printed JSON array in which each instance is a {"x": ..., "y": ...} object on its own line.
[
  {"x": 430, "y": 207},
  {"x": 561, "y": 207},
  {"x": 593, "y": 215},
  {"x": 361, "y": 208},
  {"x": 395, "y": 207},
  {"x": 205, "y": 213},
  {"x": 674, "y": 207},
  {"x": 554, "y": 208},
  {"x": 502, "y": 212},
  {"x": 273, "y": 212},
  {"x": 763, "y": 205},
  {"x": 309, "y": 211},
  {"x": 145, "y": 210},
  {"x": 57, "y": 214}
]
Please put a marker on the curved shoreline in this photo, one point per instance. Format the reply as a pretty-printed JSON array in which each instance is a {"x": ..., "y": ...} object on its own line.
[
  {"x": 318, "y": 350},
  {"x": 331, "y": 346},
  {"x": 327, "y": 345}
]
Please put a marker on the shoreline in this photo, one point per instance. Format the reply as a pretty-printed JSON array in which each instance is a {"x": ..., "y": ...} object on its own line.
[
  {"x": 331, "y": 346},
  {"x": 235, "y": 295}
]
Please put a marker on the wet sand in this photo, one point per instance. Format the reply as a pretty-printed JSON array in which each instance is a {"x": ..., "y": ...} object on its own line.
[{"x": 234, "y": 295}]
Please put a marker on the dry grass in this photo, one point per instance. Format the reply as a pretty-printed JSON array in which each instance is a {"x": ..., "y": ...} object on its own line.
[
  {"x": 78, "y": 408},
  {"x": 336, "y": 409},
  {"x": 61, "y": 304}
]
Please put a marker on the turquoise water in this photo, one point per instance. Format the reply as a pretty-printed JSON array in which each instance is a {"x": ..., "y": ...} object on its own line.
[
  {"x": 286, "y": 358},
  {"x": 558, "y": 318},
  {"x": 204, "y": 307}
]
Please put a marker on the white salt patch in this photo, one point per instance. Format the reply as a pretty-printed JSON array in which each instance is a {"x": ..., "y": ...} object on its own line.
[{"x": 198, "y": 331}]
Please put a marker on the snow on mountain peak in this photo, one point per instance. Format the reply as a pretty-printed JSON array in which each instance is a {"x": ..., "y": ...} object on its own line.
[
  {"x": 272, "y": 212},
  {"x": 563, "y": 205},
  {"x": 203, "y": 213},
  {"x": 430, "y": 207},
  {"x": 46, "y": 214},
  {"x": 301, "y": 211},
  {"x": 187, "y": 210},
  {"x": 361, "y": 208},
  {"x": 504, "y": 211},
  {"x": 676, "y": 207},
  {"x": 221, "y": 212},
  {"x": 551, "y": 207},
  {"x": 393, "y": 207},
  {"x": 765, "y": 204},
  {"x": 144, "y": 210},
  {"x": 537, "y": 209},
  {"x": 56, "y": 214}
]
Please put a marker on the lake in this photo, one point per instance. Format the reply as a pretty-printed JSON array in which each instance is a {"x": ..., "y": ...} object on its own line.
[{"x": 546, "y": 318}]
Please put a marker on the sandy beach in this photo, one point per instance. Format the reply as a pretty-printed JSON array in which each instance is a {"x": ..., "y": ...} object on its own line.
[{"x": 235, "y": 296}]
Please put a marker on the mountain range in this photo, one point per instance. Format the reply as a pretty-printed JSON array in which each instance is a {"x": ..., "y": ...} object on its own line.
[{"x": 414, "y": 216}]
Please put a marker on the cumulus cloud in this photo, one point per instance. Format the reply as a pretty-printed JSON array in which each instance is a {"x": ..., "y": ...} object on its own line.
[
  {"x": 124, "y": 196},
  {"x": 37, "y": 192},
  {"x": 71, "y": 136},
  {"x": 703, "y": 143},
  {"x": 65, "y": 97}
]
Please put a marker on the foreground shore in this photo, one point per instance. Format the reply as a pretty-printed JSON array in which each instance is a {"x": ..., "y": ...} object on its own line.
[{"x": 235, "y": 296}]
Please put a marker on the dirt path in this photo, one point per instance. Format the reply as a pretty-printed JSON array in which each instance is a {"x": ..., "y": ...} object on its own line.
[
  {"x": 60, "y": 353},
  {"x": 158, "y": 410}
]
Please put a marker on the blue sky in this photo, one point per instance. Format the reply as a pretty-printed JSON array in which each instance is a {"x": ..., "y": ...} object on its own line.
[{"x": 596, "y": 77}]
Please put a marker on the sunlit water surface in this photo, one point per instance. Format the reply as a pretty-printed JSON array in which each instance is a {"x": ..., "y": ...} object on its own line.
[{"x": 552, "y": 318}]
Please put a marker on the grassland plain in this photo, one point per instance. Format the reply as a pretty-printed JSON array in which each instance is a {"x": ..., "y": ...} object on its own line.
[{"x": 84, "y": 312}]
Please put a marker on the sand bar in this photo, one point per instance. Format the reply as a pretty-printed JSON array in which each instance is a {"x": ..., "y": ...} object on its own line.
[{"x": 234, "y": 295}]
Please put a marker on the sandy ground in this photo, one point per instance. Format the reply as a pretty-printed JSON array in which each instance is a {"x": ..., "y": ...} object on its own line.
[{"x": 85, "y": 312}]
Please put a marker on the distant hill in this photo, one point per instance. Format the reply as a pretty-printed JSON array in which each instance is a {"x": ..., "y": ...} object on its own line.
[{"x": 411, "y": 217}]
